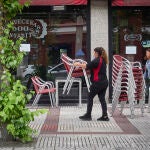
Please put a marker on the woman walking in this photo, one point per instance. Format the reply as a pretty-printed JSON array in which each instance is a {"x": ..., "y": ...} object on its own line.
[{"x": 99, "y": 83}]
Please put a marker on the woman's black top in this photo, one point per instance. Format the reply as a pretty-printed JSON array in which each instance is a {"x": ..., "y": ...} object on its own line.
[{"x": 98, "y": 70}]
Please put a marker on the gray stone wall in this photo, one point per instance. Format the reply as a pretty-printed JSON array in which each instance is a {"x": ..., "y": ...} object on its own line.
[{"x": 99, "y": 24}]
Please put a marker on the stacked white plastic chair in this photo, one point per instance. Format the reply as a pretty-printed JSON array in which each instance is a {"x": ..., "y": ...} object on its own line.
[
  {"x": 124, "y": 85},
  {"x": 73, "y": 72}
]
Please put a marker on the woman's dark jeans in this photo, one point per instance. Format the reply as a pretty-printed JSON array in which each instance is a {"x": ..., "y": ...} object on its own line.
[
  {"x": 147, "y": 83},
  {"x": 100, "y": 90}
]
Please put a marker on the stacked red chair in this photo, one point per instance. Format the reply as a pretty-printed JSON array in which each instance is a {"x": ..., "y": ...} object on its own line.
[
  {"x": 140, "y": 83},
  {"x": 126, "y": 84}
]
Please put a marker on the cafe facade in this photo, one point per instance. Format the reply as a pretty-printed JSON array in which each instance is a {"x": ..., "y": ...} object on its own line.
[{"x": 78, "y": 26}]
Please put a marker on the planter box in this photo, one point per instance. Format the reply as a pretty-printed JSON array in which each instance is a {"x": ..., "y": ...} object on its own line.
[{"x": 4, "y": 133}]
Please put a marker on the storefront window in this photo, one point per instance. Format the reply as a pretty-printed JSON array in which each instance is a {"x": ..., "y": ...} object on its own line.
[
  {"x": 131, "y": 33},
  {"x": 50, "y": 33}
]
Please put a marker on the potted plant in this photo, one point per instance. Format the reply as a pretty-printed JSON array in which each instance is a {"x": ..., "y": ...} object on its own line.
[{"x": 14, "y": 116}]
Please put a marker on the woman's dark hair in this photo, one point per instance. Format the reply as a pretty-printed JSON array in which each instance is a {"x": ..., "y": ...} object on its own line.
[
  {"x": 148, "y": 49},
  {"x": 101, "y": 52}
]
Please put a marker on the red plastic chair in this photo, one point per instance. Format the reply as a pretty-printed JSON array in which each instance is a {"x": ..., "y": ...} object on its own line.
[
  {"x": 43, "y": 87},
  {"x": 73, "y": 72}
]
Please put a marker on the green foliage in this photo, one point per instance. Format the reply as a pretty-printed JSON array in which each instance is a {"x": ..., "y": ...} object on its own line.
[
  {"x": 10, "y": 56},
  {"x": 13, "y": 109},
  {"x": 13, "y": 96},
  {"x": 12, "y": 7}
]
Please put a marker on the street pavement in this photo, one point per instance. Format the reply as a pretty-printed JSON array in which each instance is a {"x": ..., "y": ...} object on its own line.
[{"x": 61, "y": 129}]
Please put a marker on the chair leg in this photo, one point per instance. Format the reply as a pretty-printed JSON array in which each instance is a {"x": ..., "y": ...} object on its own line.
[
  {"x": 142, "y": 104},
  {"x": 131, "y": 104},
  {"x": 50, "y": 99},
  {"x": 86, "y": 79},
  {"x": 37, "y": 97},
  {"x": 115, "y": 102},
  {"x": 53, "y": 99},
  {"x": 70, "y": 85},
  {"x": 52, "y": 95},
  {"x": 67, "y": 80},
  {"x": 66, "y": 84},
  {"x": 114, "y": 105},
  {"x": 122, "y": 103}
]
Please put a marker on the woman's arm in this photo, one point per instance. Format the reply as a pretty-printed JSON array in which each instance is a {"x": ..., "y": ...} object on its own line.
[{"x": 90, "y": 65}]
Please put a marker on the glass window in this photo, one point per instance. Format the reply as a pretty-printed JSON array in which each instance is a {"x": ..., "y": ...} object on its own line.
[
  {"x": 50, "y": 33},
  {"x": 131, "y": 33}
]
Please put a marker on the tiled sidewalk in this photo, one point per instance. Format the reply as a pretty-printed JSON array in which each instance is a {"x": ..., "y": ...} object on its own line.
[{"x": 61, "y": 129}]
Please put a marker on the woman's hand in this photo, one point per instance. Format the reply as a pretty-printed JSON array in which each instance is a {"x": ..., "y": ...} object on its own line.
[{"x": 78, "y": 64}]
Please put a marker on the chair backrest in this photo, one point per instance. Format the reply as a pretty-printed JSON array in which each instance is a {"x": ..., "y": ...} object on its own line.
[
  {"x": 39, "y": 80},
  {"x": 35, "y": 84},
  {"x": 117, "y": 58},
  {"x": 67, "y": 61}
]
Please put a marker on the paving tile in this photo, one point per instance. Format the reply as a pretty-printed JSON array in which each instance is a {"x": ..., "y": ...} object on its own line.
[
  {"x": 69, "y": 122},
  {"x": 63, "y": 130},
  {"x": 24, "y": 148},
  {"x": 6, "y": 148}
]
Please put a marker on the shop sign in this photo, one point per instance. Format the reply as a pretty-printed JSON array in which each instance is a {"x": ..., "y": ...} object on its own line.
[
  {"x": 131, "y": 49},
  {"x": 58, "y": 8},
  {"x": 25, "y": 47},
  {"x": 132, "y": 37},
  {"x": 28, "y": 28},
  {"x": 146, "y": 44}
]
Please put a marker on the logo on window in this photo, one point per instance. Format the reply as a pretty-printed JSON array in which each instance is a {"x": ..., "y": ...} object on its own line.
[
  {"x": 28, "y": 28},
  {"x": 132, "y": 37}
]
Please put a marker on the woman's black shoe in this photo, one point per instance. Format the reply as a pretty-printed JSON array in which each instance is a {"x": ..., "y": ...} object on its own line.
[
  {"x": 103, "y": 118},
  {"x": 86, "y": 117}
]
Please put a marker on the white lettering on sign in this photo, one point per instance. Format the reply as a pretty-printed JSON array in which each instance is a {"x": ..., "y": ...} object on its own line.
[
  {"x": 145, "y": 43},
  {"x": 28, "y": 28}
]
